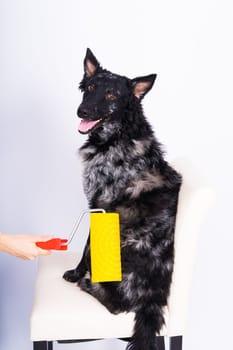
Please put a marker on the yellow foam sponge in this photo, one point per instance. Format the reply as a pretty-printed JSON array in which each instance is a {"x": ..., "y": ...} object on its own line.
[{"x": 105, "y": 247}]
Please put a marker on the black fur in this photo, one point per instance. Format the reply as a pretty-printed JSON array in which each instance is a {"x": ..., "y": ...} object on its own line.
[{"x": 125, "y": 172}]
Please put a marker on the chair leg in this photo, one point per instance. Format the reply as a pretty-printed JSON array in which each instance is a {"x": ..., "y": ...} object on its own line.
[
  {"x": 175, "y": 343},
  {"x": 50, "y": 345},
  {"x": 160, "y": 343},
  {"x": 42, "y": 345}
]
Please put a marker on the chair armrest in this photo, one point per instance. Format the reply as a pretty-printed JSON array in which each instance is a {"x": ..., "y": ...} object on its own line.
[{"x": 195, "y": 198}]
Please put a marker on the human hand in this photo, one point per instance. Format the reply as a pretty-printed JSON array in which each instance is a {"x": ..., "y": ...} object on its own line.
[{"x": 23, "y": 246}]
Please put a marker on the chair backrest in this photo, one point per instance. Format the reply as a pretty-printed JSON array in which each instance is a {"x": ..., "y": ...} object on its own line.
[{"x": 194, "y": 199}]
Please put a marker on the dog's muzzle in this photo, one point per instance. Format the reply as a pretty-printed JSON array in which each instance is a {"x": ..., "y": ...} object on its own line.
[{"x": 88, "y": 121}]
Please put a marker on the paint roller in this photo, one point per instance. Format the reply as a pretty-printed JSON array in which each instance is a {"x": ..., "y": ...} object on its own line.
[{"x": 105, "y": 250}]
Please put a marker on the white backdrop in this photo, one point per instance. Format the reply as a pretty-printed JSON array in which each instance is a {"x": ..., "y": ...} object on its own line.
[{"x": 189, "y": 45}]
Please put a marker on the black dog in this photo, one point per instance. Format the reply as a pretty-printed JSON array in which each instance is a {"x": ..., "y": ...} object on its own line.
[{"x": 125, "y": 172}]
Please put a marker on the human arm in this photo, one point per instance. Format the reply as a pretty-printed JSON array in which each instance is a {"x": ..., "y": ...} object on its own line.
[{"x": 23, "y": 246}]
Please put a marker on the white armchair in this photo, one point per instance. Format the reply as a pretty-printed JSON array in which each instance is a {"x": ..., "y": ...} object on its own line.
[{"x": 62, "y": 312}]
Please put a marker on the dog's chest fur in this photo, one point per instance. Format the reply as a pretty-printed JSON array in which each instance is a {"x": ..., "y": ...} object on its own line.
[{"x": 120, "y": 170}]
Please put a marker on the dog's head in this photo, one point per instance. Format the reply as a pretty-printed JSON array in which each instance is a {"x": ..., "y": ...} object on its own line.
[{"x": 106, "y": 96}]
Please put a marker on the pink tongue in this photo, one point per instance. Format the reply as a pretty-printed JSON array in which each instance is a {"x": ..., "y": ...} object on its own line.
[{"x": 87, "y": 125}]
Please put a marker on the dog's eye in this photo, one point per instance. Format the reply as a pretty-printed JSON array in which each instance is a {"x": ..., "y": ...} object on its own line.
[
  {"x": 90, "y": 88},
  {"x": 110, "y": 96}
]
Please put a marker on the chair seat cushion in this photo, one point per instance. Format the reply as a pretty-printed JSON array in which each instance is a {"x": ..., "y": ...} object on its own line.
[{"x": 61, "y": 311}]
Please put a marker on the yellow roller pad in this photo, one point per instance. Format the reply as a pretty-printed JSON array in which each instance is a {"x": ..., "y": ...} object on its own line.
[{"x": 105, "y": 247}]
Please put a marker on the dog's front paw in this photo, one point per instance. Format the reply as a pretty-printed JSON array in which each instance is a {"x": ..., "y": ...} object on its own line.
[
  {"x": 113, "y": 310},
  {"x": 71, "y": 276}
]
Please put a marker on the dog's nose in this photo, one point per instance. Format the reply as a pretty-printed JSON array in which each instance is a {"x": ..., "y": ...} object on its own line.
[{"x": 82, "y": 112}]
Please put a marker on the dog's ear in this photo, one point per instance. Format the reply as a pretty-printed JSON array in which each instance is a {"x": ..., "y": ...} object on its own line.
[
  {"x": 142, "y": 85},
  {"x": 90, "y": 64}
]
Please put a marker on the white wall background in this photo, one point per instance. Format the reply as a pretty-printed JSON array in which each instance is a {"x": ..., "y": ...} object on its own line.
[{"x": 42, "y": 43}]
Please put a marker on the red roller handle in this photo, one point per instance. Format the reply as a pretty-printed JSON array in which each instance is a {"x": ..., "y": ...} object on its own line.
[{"x": 53, "y": 244}]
